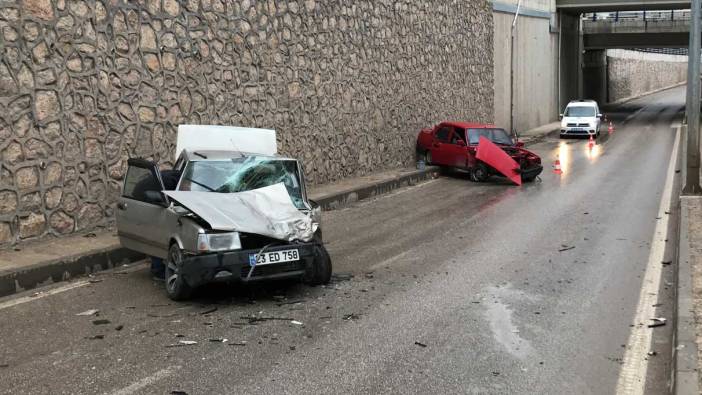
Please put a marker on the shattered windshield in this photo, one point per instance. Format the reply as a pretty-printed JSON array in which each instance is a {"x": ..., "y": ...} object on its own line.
[
  {"x": 243, "y": 174},
  {"x": 499, "y": 136}
]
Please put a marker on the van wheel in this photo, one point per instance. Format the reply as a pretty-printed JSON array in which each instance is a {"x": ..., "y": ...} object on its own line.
[
  {"x": 176, "y": 287},
  {"x": 321, "y": 270}
]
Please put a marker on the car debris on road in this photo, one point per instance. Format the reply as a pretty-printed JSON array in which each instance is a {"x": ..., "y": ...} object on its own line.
[{"x": 660, "y": 321}]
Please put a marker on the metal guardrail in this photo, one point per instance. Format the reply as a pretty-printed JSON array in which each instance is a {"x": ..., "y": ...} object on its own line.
[{"x": 666, "y": 15}]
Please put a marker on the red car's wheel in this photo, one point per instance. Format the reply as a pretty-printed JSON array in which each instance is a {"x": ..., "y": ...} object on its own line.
[{"x": 480, "y": 173}]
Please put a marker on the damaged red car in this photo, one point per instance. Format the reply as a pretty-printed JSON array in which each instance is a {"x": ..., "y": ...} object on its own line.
[{"x": 457, "y": 145}]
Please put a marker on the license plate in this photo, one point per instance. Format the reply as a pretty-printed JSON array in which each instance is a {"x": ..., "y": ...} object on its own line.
[
  {"x": 268, "y": 258},
  {"x": 577, "y": 130}
]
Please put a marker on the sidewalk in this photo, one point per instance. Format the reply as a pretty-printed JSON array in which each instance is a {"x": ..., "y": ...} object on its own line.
[
  {"x": 535, "y": 135},
  {"x": 47, "y": 261}
]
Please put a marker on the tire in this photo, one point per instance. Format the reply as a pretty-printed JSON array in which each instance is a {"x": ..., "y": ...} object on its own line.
[
  {"x": 321, "y": 267},
  {"x": 176, "y": 287},
  {"x": 480, "y": 173},
  {"x": 528, "y": 179},
  {"x": 427, "y": 157}
]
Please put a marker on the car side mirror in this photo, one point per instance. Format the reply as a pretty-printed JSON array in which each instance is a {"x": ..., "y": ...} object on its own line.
[
  {"x": 600, "y": 116},
  {"x": 560, "y": 116},
  {"x": 316, "y": 211},
  {"x": 155, "y": 197},
  {"x": 519, "y": 144}
]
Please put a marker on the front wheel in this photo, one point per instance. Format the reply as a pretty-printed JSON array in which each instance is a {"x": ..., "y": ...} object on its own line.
[
  {"x": 480, "y": 173},
  {"x": 176, "y": 287},
  {"x": 321, "y": 270}
]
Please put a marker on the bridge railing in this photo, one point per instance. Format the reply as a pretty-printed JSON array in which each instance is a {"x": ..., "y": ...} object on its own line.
[{"x": 665, "y": 15}]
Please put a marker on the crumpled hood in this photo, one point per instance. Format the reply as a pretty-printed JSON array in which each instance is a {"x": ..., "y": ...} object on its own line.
[{"x": 265, "y": 211}]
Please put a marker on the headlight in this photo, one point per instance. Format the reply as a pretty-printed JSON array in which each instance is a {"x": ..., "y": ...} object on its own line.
[{"x": 218, "y": 242}]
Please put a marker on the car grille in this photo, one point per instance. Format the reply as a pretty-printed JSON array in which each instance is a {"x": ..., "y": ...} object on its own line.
[
  {"x": 583, "y": 125},
  {"x": 578, "y": 125},
  {"x": 250, "y": 241},
  {"x": 266, "y": 270}
]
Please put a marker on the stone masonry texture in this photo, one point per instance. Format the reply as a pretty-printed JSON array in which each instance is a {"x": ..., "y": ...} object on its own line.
[
  {"x": 347, "y": 84},
  {"x": 634, "y": 77}
]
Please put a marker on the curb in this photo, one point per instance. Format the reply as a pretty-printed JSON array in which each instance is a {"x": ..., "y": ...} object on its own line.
[
  {"x": 685, "y": 375},
  {"x": 62, "y": 269},
  {"x": 342, "y": 199},
  {"x": 685, "y": 380}
]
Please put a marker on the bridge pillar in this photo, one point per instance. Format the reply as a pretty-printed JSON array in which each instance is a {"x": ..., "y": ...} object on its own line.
[
  {"x": 595, "y": 76},
  {"x": 569, "y": 59}
]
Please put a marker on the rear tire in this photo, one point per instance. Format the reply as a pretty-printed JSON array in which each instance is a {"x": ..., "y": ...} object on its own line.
[
  {"x": 176, "y": 287},
  {"x": 321, "y": 270}
]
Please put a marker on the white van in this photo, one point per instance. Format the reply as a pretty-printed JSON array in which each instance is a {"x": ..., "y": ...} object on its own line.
[{"x": 581, "y": 118}]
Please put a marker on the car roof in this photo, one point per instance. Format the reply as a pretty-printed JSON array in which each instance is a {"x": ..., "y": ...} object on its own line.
[
  {"x": 468, "y": 125},
  {"x": 224, "y": 155},
  {"x": 582, "y": 103}
]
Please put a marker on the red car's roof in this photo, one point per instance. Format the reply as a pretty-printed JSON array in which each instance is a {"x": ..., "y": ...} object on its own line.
[{"x": 468, "y": 125}]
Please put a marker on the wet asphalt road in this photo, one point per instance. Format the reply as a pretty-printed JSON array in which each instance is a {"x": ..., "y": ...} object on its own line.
[{"x": 456, "y": 287}]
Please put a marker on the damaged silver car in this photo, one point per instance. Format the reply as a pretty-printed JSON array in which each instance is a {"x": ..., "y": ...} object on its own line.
[{"x": 223, "y": 215}]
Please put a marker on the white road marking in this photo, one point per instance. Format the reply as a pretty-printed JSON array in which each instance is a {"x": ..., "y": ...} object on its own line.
[
  {"x": 63, "y": 288},
  {"x": 632, "y": 377},
  {"x": 43, "y": 294},
  {"x": 146, "y": 381}
]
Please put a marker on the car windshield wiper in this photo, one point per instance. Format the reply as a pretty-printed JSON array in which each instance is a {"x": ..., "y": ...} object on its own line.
[{"x": 200, "y": 184}]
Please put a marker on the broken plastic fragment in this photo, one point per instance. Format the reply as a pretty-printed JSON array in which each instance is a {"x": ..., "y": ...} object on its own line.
[
  {"x": 657, "y": 322},
  {"x": 296, "y": 322},
  {"x": 420, "y": 344},
  {"x": 187, "y": 342},
  {"x": 89, "y": 312},
  {"x": 101, "y": 322}
]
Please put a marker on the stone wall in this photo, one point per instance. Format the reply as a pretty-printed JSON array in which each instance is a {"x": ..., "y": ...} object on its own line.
[
  {"x": 85, "y": 84},
  {"x": 633, "y": 73}
]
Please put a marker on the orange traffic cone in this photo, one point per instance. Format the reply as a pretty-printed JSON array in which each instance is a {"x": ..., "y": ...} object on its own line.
[
  {"x": 610, "y": 129},
  {"x": 591, "y": 143},
  {"x": 557, "y": 167}
]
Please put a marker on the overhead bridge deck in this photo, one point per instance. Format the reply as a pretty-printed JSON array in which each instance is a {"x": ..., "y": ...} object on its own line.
[{"x": 582, "y": 6}]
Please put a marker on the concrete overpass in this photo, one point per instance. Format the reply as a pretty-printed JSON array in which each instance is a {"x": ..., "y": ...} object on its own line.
[
  {"x": 637, "y": 33},
  {"x": 582, "y": 6}
]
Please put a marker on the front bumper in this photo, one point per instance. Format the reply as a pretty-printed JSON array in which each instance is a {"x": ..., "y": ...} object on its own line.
[
  {"x": 234, "y": 266},
  {"x": 532, "y": 172},
  {"x": 578, "y": 131}
]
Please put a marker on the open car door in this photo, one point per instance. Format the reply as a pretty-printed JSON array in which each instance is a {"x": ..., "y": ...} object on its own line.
[
  {"x": 142, "y": 210},
  {"x": 497, "y": 158}
]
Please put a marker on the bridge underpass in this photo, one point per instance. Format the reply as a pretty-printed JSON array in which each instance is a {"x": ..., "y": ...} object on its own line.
[{"x": 583, "y": 42}]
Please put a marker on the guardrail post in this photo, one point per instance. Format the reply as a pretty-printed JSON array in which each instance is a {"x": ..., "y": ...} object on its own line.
[{"x": 692, "y": 179}]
